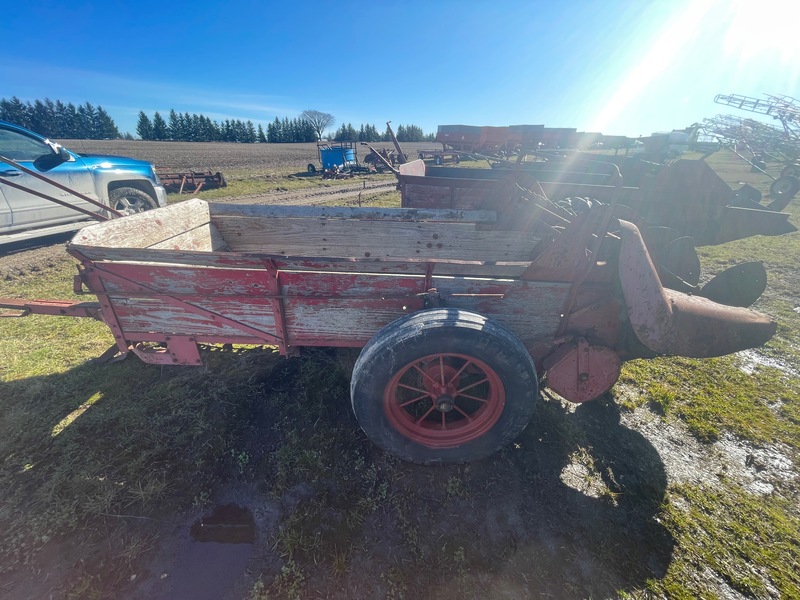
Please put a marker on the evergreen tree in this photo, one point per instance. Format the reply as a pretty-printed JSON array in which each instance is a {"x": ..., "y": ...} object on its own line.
[
  {"x": 160, "y": 128},
  {"x": 262, "y": 139},
  {"x": 14, "y": 111},
  {"x": 174, "y": 126},
  {"x": 41, "y": 119},
  {"x": 104, "y": 126},
  {"x": 71, "y": 119},
  {"x": 85, "y": 122},
  {"x": 252, "y": 137}
]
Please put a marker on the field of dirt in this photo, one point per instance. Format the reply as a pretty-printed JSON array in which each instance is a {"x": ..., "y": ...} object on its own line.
[
  {"x": 569, "y": 511},
  {"x": 202, "y": 156}
]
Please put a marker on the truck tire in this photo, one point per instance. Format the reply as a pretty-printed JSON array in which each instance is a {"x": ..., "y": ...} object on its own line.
[
  {"x": 784, "y": 187},
  {"x": 443, "y": 386},
  {"x": 130, "y": 200},
  {"x": 791, "y": 171}
]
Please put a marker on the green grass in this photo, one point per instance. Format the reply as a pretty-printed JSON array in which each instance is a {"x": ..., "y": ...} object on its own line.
[
  {"x": 713, "y": 395},
  {"x": 249, "y": 182},
  {"x": 745, "y": 540}
]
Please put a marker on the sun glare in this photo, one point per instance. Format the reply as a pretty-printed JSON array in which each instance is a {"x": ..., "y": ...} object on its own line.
[
  {"x": 753, "y": 48},
  {"x": 765, "y": 30},
  {"x": 674, "y": 36}
]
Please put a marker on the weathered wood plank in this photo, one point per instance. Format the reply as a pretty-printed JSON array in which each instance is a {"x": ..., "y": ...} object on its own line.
[
  {"x": 184, "y": 280},
  {"x": 256, "y": 261},
  {"x": 388, "y": 240},
  {"x": 345, "y": 212},
  {"x": 218, "y": 259},
  {"x": 341, "y": 322},
  {"x": 204, "y": 238},
  {"x": 531, "y": 310},
  {"x": 145, "y": 314},
  {"x": 145, "y": 229},
  {"x": 350, "y": 285}
]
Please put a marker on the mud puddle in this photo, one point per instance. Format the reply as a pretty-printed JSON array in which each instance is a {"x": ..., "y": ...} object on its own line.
[{"x": 211, "y": 559}]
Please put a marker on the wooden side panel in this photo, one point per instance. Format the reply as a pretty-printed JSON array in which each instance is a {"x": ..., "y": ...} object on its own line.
[
  {"x": 349, "y": 212},
  {"x": 146, "y": 229},
  {"x": 531, "y": 310},
  {"x": 377, "y": 239},
  {"x": 345, "y": 309},
  {"x": 218, "y": 259},
  {"x": 148, "y": 314},
  {"x": 351, "y": 285},
  {"x": 427, "y": 196},
  {"x": 186, "y": 281},
  {"x": 341, "y": 322}
]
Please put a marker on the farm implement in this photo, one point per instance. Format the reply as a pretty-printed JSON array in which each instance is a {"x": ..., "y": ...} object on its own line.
[
  {"x": 461, "y": 314},
  {"x": 191, "y": 182},
  {"x": 686, "y": 196}
]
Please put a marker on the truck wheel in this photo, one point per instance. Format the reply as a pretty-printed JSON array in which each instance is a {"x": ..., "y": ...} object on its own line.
[
  {"x": 437, "y": 160},
  {"x": 784, "y": 187},
  {"x": 791, "y": 171},
  {"x": 312, "y": 170},
  {"x": 443, "y": 386},
  {"x": 130, "y": 200},
  {"x": 421, "y": 156}
]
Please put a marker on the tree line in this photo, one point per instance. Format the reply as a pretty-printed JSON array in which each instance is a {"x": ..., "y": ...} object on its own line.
[
  {"x": 369, "y": 133},
  {"x": 185, "y": 127},
  {"x": 59, "y": 120}
]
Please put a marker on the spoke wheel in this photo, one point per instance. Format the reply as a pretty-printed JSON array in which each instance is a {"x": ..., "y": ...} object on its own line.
[
  {"x": 444, "y": 400},
  {"x": 443, "y": 386}
]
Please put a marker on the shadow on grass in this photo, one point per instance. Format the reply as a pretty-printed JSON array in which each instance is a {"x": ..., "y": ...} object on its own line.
[
  {"x": 569, "y": 510},
  {"x": 95, "y": 458}
]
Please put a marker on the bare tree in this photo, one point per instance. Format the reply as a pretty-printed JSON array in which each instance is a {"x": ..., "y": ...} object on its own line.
[{"x": 320, "y": 121}]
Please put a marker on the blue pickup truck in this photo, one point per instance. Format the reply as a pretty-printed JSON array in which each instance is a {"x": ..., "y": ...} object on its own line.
[{"x": 125, "y": 184}]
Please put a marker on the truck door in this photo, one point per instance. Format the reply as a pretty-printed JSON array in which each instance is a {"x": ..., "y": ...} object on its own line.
[
  {"x": 29, "y": 210},
  {"x": 5, "y": 213}
]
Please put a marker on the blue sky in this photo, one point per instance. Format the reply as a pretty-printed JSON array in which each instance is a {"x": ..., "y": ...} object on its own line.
[{"x": 617, "y": 67}]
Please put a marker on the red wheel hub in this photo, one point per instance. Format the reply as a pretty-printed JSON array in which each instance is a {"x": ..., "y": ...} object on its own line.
[{"x": 444, "y": 400}]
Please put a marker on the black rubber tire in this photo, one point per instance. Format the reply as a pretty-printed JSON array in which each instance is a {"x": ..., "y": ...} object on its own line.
[
  {"x": 437, "y": 160},
  {"x": 791, "y": 171},
  {"x": 312, "y": 170},
  {"x": 784, "y": 187},
  {"x": 421, "y": 156},
  {"x": 443, "y": 331},
  {"x": 130, "y": 200}
]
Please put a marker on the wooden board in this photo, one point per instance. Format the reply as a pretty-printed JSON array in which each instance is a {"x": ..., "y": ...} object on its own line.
[
  {"x": 147, "y": 314},
  {"x": 346, "y": 212},
  {"x": 146, "y": 229},
  {"x": 378, "y": 239}
]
